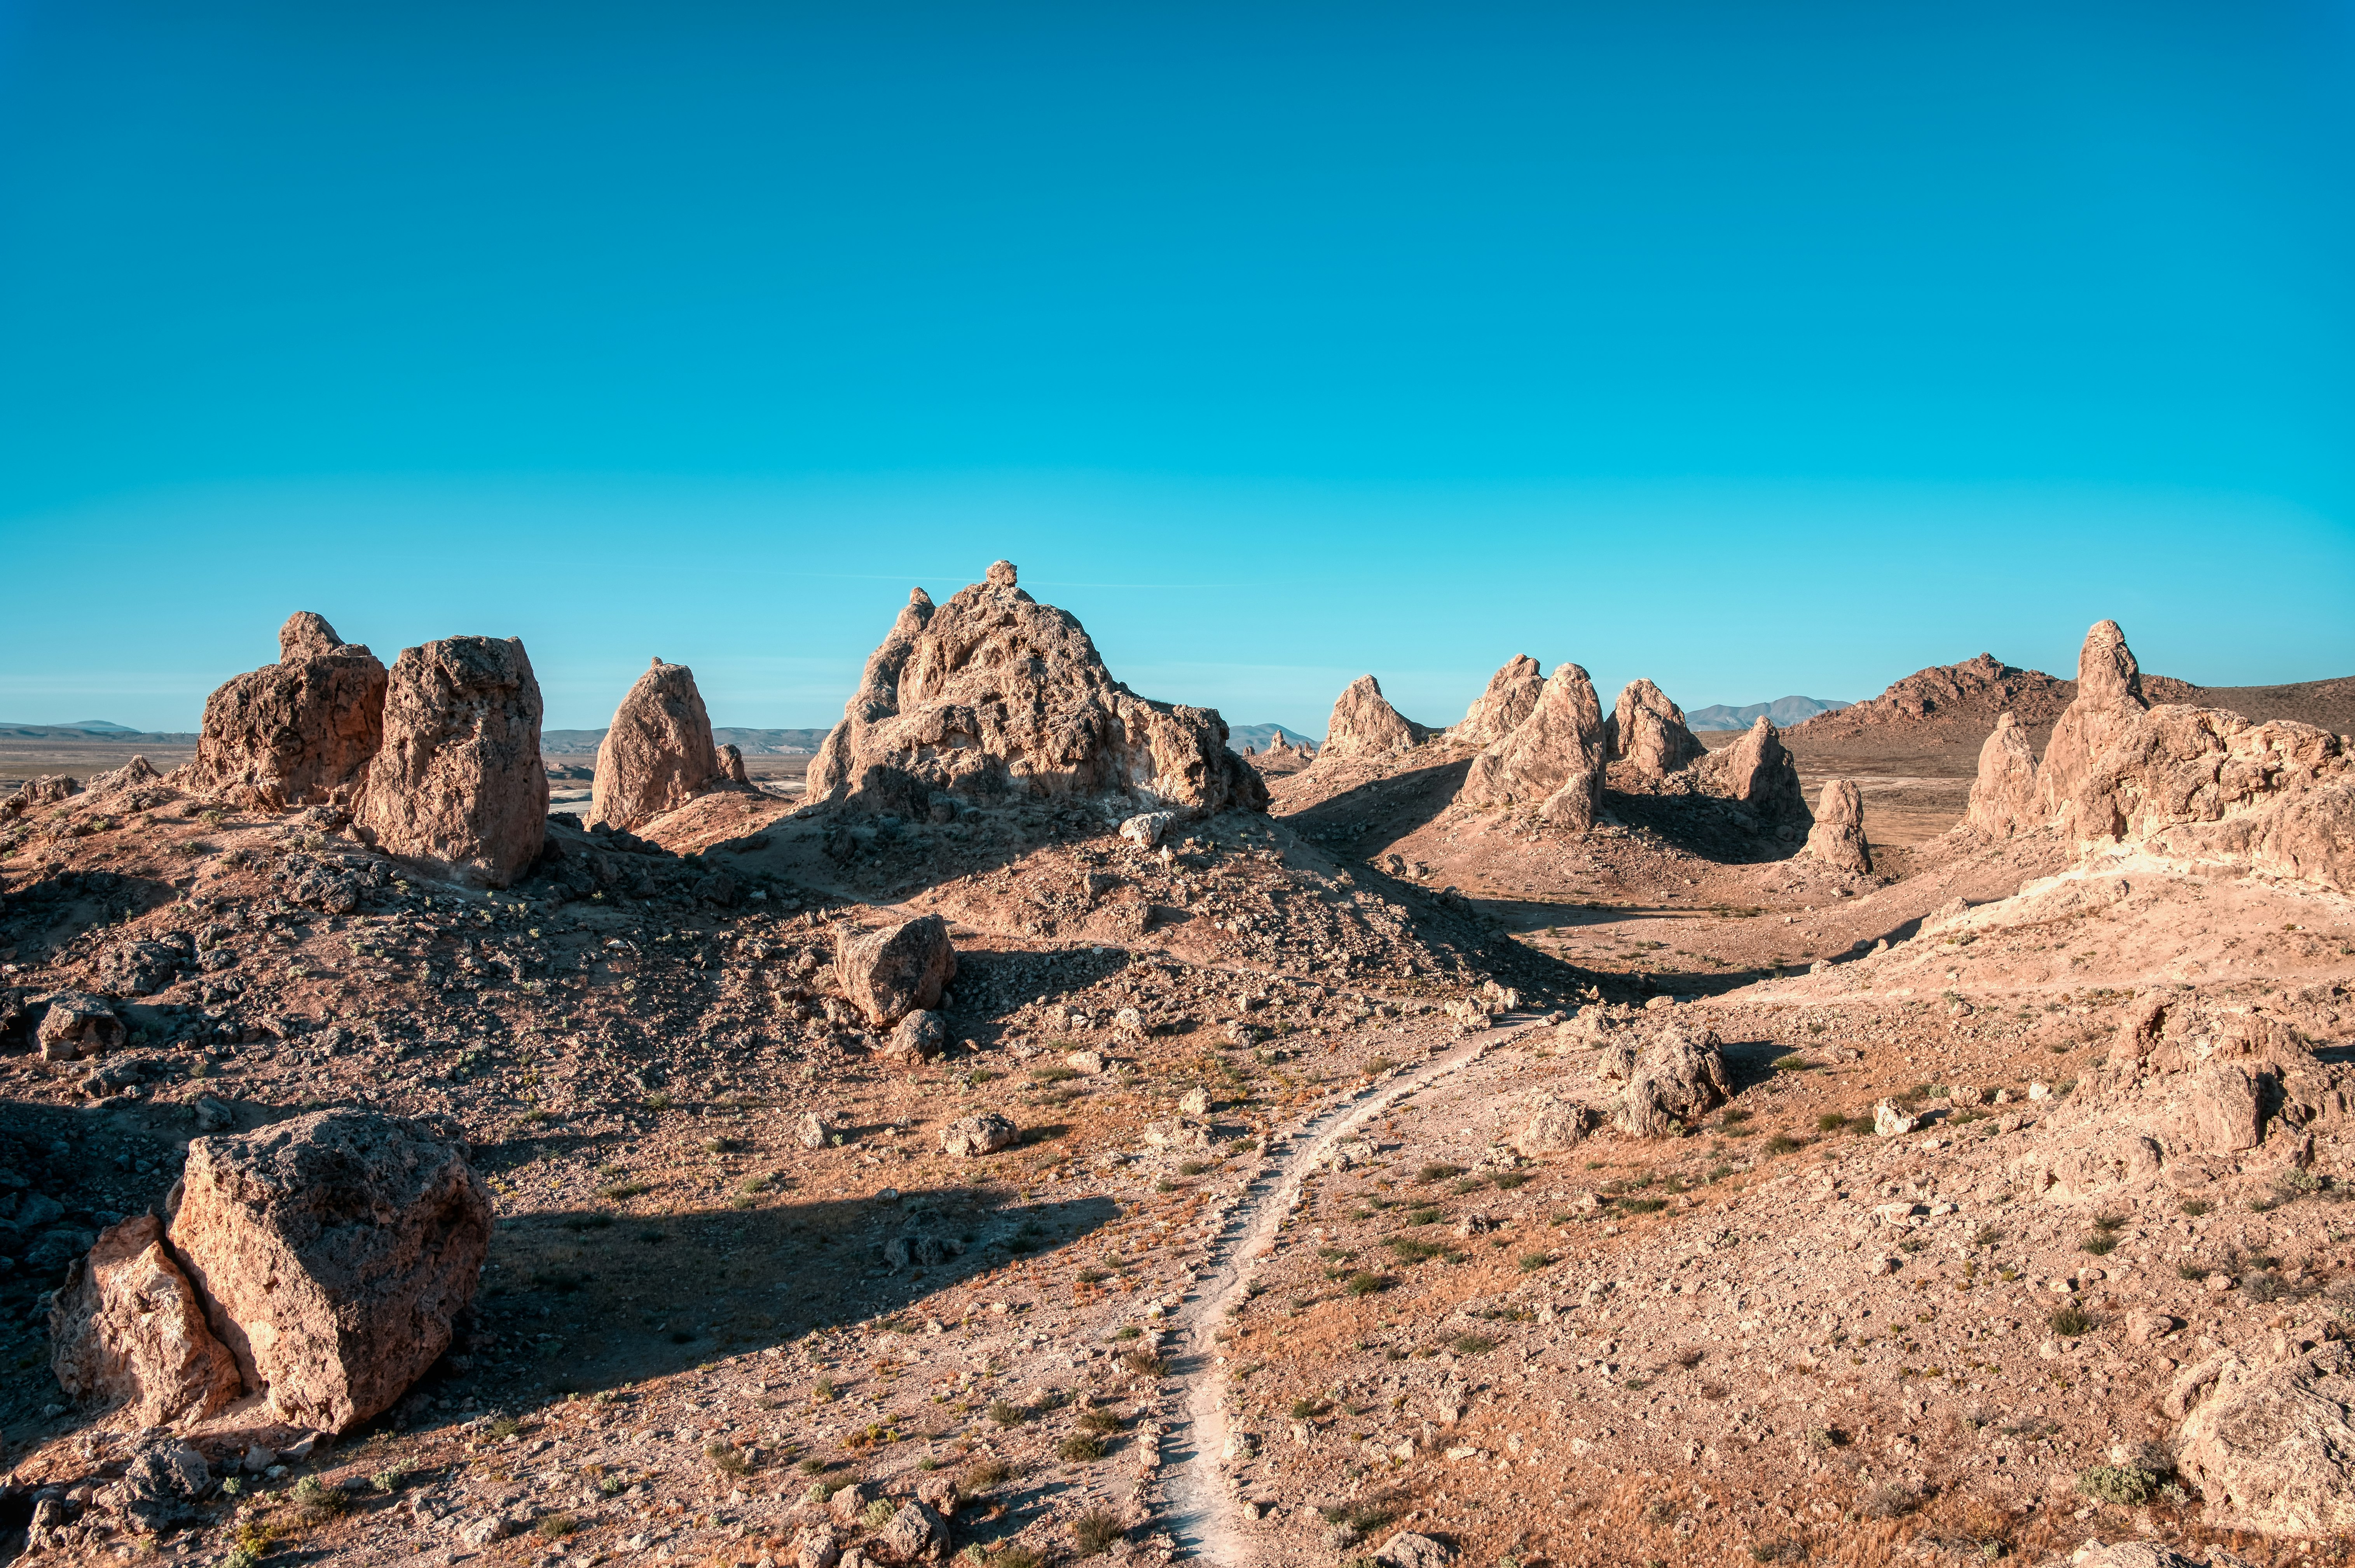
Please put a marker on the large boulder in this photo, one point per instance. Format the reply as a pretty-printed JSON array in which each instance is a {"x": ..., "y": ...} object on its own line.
[
  {"x": 993, "y": 694},
  {"x": 1647, "y": 733},
  {"x": 1512, "y": 694},
  {"x": 2004, "y": 794},
  {"x": 658, "y": 754},
  {"x": 901, "y": 969},
  {"x": 76, "y": 1026},
  {"x": 299, "y": 733},
  {"x": 2268, "y": 1436},
  {"x": 1837, "y": 837},
  {"x": 333, "y": 1252},
  {"x": 1364, "y": 724},
  {"x": 458, "y": 784},
  {"x": 128, "y": 1328},
  {"x": 2109, "y": 696},
  {"x": 1668, "y": 1080},
  {"x": 1758, "y": 772},
  {"x": 1553, "y": 759}
]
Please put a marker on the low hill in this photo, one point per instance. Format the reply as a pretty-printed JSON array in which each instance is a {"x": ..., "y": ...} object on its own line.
[{"x": 1783, "y": 712}]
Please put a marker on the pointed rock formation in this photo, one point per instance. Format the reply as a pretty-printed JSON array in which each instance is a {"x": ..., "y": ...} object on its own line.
[
  {"x": 1364, "y": 724},
  {"x": 458, "y": 782},
  {"x": 1511, "y": 697},
  {"x": 657, "y": 753},
  {"x": 995, "y": 693},
  {"x": 1838, "y": 838},
  {"x": 1553, "y": 759},
  {"x": 2109, "y": 695},
  {"x": 1758, "y": 772},
  {"x": 1647, "y": 732},
  {"x": 299, "y": 733},
  {"x": 2003, "y": 796}
]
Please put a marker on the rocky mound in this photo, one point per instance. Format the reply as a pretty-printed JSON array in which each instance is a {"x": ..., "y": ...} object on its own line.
[
  {"x": 1552, "y": 760},
  {"x": 1364, "y": 724},
  {"x": 1512, "y": 695},
  {"x": 299, "y": 733},
  {"x": 1959, "y": 702},
  {"x": 995, "y": 695},
  {"x": 458, "y": 784},
  {"x": 658, "y": 754},
  {"x": 1646, "y": 732}
]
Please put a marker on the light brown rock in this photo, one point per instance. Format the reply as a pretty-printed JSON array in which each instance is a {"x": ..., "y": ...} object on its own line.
[
  {"x": 1512, "y": 695},
  {"x": 2004, "y": 796},
  {"x": 1647, "y": 732},
  {"x": 995, "y": 695},
  {"x": 658, "y": 754},
  {"x": 1555, "y": 1124},
  {"x": 888, "y": 973},
  {"x": 971, "y": 1137},
  {"x": 2270, "y": 1444},
  {"x": 730, "y": 760},
  {"x": 1757, "y": 772},
  {"x": 1364, "y": 724},
  {"x": 1552, "y": 760},
  {"x": 128, "y": 1328},
  {"x": 138, "y": 771},
  {"x": 1837, "y": 837},
  {"x": 458, "y": 784},
  {"x": 299, "y": 733},
  {"x": 2109, "y": 695},
  {"x": 332, "y": 1251},
  {"x": 1673, "y": 1078}
]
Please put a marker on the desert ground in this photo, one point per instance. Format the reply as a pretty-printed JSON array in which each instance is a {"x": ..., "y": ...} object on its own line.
[{"x": 1497, "y": 1144}]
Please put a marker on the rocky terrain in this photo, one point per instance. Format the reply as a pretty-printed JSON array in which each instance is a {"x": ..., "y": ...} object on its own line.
[{"x": 1541, "y": 1140}]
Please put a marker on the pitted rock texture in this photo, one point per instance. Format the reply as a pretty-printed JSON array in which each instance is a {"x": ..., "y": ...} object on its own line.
[
  {"x": 2268, "y": 1436},
  {"x": 299, "y": 733},
  {"x": 898, "y": 970},
  {"x": 1670, "y": 1077},
  {"x": 2004, "y": 796},
  {"x": 333, "y": 1252},
  {"x": 1553, "y": 759},
  {"x": 1758, "y": 772},
  {"x": 1648, "y": 735},
  {"x": 1512, "y": 695},
  {"x": 128, "y": 1328},
  {"x": 658, "y": 754},
  {"x": 2109, "y": 695},
  {"x": 1837, "y": 837},
  {"x": 458, "y": 782},
  {"x": 76, "y": 1026},
  {"x": 993, "y": 694},
  {"x": 730, "y": 760},
  {"x": 1364, "y": 724}
]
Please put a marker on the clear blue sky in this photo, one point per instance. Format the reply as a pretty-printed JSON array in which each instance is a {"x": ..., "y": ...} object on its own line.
[{"x": 1755, "y": 349}]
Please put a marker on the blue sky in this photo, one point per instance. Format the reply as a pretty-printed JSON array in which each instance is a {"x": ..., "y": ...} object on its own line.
[{"x": 1753, "y": 349}]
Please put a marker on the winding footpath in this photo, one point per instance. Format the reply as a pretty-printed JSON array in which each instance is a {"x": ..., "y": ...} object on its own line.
[{"x": 1201, "y": 1513}]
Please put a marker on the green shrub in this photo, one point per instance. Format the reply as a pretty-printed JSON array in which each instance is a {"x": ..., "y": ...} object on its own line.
[
  {"x": 1080, "y": 1448},
  {"x": 2128, "y": 1485}
]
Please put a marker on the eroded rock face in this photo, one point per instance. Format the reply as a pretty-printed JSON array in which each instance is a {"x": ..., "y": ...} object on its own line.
[
  {"x": 76, "y": 1026},
  {"x": 458, "y": 782},
  {"x": 1647, "y": 732},
  {"x": 993, "y": 694},
  {"x": 1758, "y": 772},
  {"x": 2109, "y": 695},
  {"x": 1364, "y": 724},
  {"x": 128, "y": 1328},
  {"x": 901, "y": 969},
  {"x": 333, "y": 1252},
  {"x": 1672, "y": 1078},
  {"x": 730, "y": 760},
  {"x": 1512, "y": 694},
  {"x": 1553, "y": 759},
  {"x": 1837, "y": 837},
  {"x": 2004, "y": 796},
  {"x": 970, "y": 1136},
  {"x": 2270, "y": 1443},
  {"x": 299, "y": 733},
  {"x": 658, "y": 754}
]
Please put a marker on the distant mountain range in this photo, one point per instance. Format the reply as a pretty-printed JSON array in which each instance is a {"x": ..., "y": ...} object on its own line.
[
  {"x": 1784, "y": 711},
  {"x": 1257, "y": 736},
  {"x": 88, "y": 730},
  {"x": 751, "y": 743}
]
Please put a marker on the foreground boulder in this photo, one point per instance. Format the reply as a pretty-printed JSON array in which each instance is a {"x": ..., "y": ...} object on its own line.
[
  {"x": 2004, "y": 794},
  {"x": 901, "y": 969},
  {"x": 1554, "y": 760},
  {"x": 2109, "y": 696},
  {"x": 1647, "y": 733},
  {"x": 128, "y": 1328},
  {"x": 299, "y": 733},
  {"x": 1837, "y": 837},
  {"x": 2268, "y": 1436},
  {"x": 657, "y": 753},
  {"x": 1670, "y": 1079},
  {"x": 333, "y": 1252},
  {"x": 458, "y": 782},
  {"x": 1364, "y": 724},
  {"x": 993, "y": 695},
  {"x": 76, "y": 1026},
  {"x": 1512, "y": 694}
]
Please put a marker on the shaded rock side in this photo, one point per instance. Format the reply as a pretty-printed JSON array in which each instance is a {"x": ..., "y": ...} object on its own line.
[
  {"x": 898, "y": 970},
  {"x": 2272, "y": 1447},
  {"x": 2109, "y": 694},
  {"x": 2004, "y": 794},
  {"x": 1758, "y": 772},
  {"x": 1837, "y": 837},
  {"x": 299, "y": 733},
  {"x": 993, "y": 694},
  {"x": 333, "y": 1252},
  {"x": 1553, "y": 759},
  {"x": 1512, "y": 695},
  {"x": 729, "y": 762},
  {"x": 1648, "y": 734},
  {"x": 128, "y": 1328},
  {"x": 1364, "y": 724},
  {"x": 658, "y": 754},
  {"x": 458, "y": 782}
]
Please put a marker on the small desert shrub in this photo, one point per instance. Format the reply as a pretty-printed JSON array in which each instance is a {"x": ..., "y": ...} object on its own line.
[
  {"x": 726, "y": 1457},
  {"x": 2099, "y": 1246},
  {"x": 1643, "y": 1205},
  {"x": 1889, "y": 1500},
  {"x": 1782, "y": 1143},
  {"x": 1507, "y": 1180},
  {"x": 1367, "y": 1283},
  {"x": 1098, "y": 1421},
  {"x": 1080, "y": 1448},
  {"x": 1095, "y": 1532},
  {"x": 615, "y": 1191},
  {"x": 1532, "y": 1261},
  {"x": 2071, "y": 1322},
  {"x": 504, "y": 1428},
  {"x": 1411, "y": 1250},
  {"x": 557, "y": 1526},
  {"x": 1472, "y": 1344},
  {"x": 2262, "y": 1286},
  {"x": 2195, "y": 1207},
  {"x": 1423, "y": 1217},
  {"x": 1006, "y": 1413},
  {"x": 981, "y": 1477},
  {"x": 1145, "y": 1364},
  {"x": 2129, "y": 1486},
  {"x": 1438, "y": 1172},
  {"x": 318, "y": 1500}
]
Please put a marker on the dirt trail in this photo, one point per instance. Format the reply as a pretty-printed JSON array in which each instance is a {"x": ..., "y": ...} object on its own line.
[{"x": 1202, "y": 1511}]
